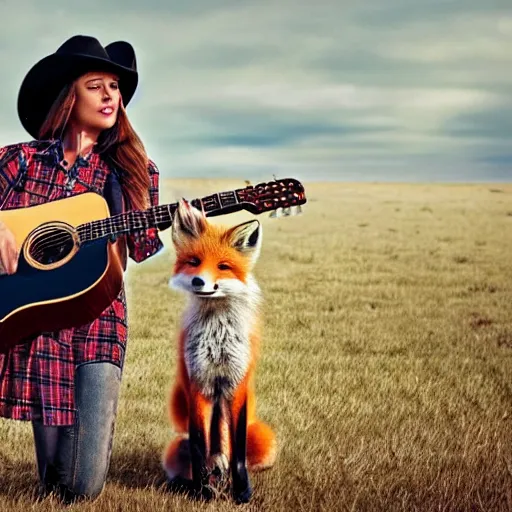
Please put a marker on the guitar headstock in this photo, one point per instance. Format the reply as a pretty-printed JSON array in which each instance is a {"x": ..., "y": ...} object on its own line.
[{"x": 285, "y": 195}]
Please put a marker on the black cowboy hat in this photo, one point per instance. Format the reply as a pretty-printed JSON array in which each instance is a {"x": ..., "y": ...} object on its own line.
[{"x": 76, "y": 56}]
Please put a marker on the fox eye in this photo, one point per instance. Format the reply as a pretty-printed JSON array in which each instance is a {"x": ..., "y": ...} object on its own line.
[
  {"x": 194, "y": 262},
  {"x": 224, "y": 266}
]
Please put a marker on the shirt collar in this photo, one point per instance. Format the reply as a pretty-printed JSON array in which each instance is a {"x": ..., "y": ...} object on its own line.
[{"x": 52, "y": 151}]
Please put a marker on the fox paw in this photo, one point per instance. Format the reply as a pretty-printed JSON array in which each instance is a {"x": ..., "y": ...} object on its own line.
[{"x": 242, "y": 495}]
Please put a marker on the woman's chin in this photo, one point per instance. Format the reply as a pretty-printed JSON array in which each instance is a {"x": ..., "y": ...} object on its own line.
[
  {"x": 103, "y": 124},
  {"x": 107, "y": 126}
]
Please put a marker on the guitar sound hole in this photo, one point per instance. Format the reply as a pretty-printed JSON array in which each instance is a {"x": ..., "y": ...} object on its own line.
[{"x": 51, "y": 246}]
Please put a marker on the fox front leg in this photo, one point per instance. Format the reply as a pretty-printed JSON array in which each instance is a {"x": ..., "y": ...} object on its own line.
[
  {"x": 199, "y": 421},
  {"x": 242, "y": 490}
]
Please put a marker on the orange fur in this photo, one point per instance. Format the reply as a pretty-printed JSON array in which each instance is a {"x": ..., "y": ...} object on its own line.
[{"x": 186, "y": 403}]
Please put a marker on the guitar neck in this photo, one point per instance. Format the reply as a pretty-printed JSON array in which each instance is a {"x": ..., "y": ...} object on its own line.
[{"x": 160, "y": 217}]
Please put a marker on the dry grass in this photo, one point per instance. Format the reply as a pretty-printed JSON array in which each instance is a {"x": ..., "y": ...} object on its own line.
[{"x": 386, "y": 367}]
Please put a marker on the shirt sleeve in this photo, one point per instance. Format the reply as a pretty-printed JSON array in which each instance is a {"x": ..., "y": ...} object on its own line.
[
  {"x": 11, "y": 157},
  {"x": 146, "y": 243}
]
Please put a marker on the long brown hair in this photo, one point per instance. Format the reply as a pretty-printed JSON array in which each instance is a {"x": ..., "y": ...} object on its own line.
[{"x": 120, "y": 144}]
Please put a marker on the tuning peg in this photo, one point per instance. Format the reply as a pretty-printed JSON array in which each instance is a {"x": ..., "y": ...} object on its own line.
[
  {"x": 275, "y": 214},
  {"x": 298, "y": 210},
  {"x": 286, "y": 212}
]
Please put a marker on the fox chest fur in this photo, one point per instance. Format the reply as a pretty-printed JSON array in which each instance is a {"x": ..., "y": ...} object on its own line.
[{"x": 217, "y": 349}]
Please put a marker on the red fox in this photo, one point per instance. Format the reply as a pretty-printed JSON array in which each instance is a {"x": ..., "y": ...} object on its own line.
[{"x": 212, "y": 404}]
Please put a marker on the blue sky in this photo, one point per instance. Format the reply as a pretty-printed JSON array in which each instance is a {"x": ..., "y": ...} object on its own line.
[{"x": 374, "y": 90}]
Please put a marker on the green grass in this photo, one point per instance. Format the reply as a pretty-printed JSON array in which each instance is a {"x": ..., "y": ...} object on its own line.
[{"x": 386, "y": 362}]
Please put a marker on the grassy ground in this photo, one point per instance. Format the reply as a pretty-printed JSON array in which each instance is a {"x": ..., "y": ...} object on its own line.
[{"x": 386, "y": 365}]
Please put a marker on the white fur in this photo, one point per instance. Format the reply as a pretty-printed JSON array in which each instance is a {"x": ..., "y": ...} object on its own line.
[{"x": 217, "y": 329}]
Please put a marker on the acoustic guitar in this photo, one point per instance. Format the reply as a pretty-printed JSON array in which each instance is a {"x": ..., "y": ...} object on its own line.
[{"x": 70, "y": 268}]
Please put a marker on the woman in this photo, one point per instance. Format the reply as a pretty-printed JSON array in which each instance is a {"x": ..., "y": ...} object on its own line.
[{"x": 67, "y": 382}]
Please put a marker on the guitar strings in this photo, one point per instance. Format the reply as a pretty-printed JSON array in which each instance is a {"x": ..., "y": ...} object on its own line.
[
  {"x": 84, "y": 231},
  {"x": 95, "y": 229}
]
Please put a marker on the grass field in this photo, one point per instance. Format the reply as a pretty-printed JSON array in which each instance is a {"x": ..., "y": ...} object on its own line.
[{"x": 386, "y": 366}]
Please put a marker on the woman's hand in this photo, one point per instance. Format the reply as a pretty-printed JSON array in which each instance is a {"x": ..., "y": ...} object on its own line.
[{"x": 8, "y": 250}]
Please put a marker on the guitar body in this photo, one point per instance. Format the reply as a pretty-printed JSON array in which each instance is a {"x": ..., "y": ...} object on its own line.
[
  {"x": 73, "y": 210},
  {"x": 68, "y": 294}
]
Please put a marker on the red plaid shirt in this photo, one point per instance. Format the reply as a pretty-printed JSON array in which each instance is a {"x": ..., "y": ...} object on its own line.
[{"x": 37, "y": 378}]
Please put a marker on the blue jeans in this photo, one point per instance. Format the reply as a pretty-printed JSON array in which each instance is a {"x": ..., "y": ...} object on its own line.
[{"x": 73, "y": 461}]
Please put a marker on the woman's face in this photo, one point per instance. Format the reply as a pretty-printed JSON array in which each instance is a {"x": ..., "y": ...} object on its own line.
[{"x": 97, "y": 102}]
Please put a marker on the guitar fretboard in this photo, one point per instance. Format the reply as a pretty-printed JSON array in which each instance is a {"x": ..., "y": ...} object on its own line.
[{"x": 160, "y": 217}]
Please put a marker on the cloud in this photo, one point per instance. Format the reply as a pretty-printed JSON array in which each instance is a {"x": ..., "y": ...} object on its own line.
[{"x": 331, "y": 90}]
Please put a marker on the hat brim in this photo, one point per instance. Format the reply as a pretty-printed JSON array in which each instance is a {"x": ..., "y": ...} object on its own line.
[{"x": 50, "y": 75}]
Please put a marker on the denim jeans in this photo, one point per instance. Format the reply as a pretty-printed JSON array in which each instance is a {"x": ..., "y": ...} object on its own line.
[{"x": 73, "y": 461}]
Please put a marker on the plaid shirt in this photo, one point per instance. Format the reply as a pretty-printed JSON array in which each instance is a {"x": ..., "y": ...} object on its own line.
[{"x": 37, "y": 378}]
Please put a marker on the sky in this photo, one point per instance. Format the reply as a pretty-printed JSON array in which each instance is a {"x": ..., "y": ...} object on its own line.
[{"x": 373, "y": 90}]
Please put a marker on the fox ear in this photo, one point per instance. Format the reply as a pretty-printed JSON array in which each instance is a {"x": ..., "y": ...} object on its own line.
[
  {"x": 246, "y": 238},
  {"x": 188, "y": 223}
]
